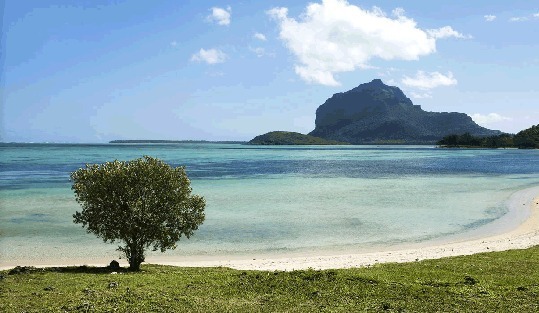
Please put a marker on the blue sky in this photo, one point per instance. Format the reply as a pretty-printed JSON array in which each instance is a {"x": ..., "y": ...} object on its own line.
[{"x": 94, "y": 71}]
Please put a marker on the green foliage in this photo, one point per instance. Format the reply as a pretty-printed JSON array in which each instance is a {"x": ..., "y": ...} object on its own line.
[
  {"x": 143, "y": 203},
  {"x": 467, "y": 140},
  {"x": 291, "y": 138},
  {"x": 488, "y": 282},
  {"x": 526, "y": 139}
]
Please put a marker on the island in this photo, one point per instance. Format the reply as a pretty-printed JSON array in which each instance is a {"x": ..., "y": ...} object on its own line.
[
  {"x": 375, "y": 113},
  {"x": 291, "y": 138}
]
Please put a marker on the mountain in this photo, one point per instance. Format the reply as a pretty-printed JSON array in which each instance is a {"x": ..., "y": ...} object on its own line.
[
  {"x": 290, "y": 138},
  {"x": 374, "y": 113}
]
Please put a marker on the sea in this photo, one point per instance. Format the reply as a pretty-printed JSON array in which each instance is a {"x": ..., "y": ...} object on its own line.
[{"x": 273, "y": 200}]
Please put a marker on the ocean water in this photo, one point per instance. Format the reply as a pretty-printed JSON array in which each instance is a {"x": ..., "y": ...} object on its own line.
[{"x": 271, "y": 200}]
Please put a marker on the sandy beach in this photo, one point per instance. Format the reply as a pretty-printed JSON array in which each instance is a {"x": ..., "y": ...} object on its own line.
[
  {"x": 523, "y": 207},
  {"x": 523, "y": 236}
]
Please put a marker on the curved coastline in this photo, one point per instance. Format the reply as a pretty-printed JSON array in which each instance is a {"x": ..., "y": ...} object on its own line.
[
  {"x": 518, "y": 229},
  {"x": 523, "y": 206}
]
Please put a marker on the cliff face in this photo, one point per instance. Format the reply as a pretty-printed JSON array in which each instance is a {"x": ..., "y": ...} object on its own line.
[{"x": 377, "y": 113}]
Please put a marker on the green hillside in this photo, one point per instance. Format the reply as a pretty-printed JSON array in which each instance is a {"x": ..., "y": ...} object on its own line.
[{"x": 291, "y": 138}]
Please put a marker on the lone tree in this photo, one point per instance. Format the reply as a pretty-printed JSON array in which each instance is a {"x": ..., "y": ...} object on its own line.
[{"x": 142, "y": 203}]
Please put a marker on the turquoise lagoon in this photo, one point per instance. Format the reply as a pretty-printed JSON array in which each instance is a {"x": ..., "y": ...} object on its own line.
[{"x": 273, "y": 200}]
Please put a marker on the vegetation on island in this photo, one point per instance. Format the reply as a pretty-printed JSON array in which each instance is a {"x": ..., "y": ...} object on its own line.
[
  {"x": 291, "y": 138},
  {"x": 489, "y": 282},
  {"x": 525, "y": 139},
  {"x": 142, "y": 203},
  {"x": 528, "y": 138}
]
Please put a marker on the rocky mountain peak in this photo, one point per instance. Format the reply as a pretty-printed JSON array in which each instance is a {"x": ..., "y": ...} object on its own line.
[{"x": 374, "y": 112}]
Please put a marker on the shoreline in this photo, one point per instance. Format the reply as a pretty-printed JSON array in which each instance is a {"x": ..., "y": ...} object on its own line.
[
  {"x": 525, "y": 235},
  {"x": 524, "y": 204}
]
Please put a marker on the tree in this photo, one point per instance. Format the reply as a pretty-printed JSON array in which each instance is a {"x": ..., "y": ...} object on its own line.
[
  {"x": 528, "y": 138},
  {"x": 143, "y": 203},
  {"x": 449, "y": 140}
]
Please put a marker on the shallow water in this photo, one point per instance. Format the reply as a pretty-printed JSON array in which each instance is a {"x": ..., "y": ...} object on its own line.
[{"x": 271, "y": 199}]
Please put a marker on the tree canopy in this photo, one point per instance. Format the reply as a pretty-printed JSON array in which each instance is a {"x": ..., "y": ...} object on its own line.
[
  {"x": 143, "y": 203},
  {"x": 528, "y": 138},
  {"x": 525, "y": 139}
]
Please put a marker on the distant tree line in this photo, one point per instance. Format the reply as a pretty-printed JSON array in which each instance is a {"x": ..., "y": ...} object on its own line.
[
  {"x": 525, "y": 139},
  {"x": 291, "y": 138}
]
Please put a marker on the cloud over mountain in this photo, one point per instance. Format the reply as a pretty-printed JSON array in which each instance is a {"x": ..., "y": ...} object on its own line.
[
  {"x": 488, "y": 119},
  {"x": 335, "y": 36},
  {"x": 424, "y": 80}
]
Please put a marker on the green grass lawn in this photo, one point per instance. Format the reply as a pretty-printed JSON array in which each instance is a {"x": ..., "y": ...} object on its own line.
[{"x": 489, "y": 282}]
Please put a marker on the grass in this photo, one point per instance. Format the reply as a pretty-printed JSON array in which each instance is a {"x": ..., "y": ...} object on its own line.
[{"x": 489, "y": 282}]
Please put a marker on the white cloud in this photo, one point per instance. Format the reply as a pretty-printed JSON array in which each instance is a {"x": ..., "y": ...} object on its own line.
[
  {"x": 524, "y": 18},
  {"x": 391, "y": 82},
  {"x": 490, "y": 18},
  {"x": 424, "y": 80},
  {"x": 424, "y": 95},
  {"x": 210, "y": 56},
  {"x": 491, "y": 118},
  {"x": 220, "y": 16},
  {"x": 259, "y": 51},
  {"x": 335, "y": 36},
  {"x": 518, "y": 19},
  {"x": 260, "y": 36},
  {"x": 446, "y": 32},
  {"x": 398, "y": 12}
]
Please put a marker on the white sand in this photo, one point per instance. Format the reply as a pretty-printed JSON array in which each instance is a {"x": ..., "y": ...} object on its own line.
[
  {"x": 524, "y": 236},
  {"x": 523, "y": 203}
]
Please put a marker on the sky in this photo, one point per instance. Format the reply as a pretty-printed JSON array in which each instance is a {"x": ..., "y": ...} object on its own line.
[{"x": 93, "y": 71}]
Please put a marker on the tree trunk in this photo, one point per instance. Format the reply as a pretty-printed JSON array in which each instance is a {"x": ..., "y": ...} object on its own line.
[
  {"x": 134, "y": 253},
  {"x": 134, "y": 263}
]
